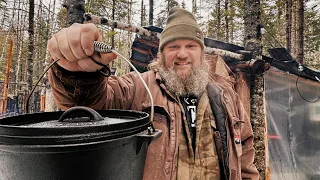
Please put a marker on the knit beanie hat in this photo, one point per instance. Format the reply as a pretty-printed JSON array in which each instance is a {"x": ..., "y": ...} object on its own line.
[{"x": 181, "y": 24}]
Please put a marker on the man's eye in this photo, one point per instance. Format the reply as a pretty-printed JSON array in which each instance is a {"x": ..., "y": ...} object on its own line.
[
  {"x": 173, "y": 47},
  {"x": 192, "y": 45}
]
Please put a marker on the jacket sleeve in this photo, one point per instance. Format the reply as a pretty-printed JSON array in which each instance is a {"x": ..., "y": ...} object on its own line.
[
  {"x": 90, "y": 89},
  {"x": 248, "y": 169}
]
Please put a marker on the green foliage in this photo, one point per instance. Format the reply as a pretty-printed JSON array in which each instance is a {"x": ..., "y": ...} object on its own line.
[
  {"x": 62, "y": 18},
  {"x": 161, "y": 17},
  {"x": 235, "y": 16}
]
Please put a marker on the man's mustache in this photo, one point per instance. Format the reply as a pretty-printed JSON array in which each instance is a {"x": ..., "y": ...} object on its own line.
[{"x": 176, "y": 60}]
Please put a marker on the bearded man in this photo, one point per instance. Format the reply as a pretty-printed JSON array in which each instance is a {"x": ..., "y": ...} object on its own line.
[{"x": 206, "y": 133}]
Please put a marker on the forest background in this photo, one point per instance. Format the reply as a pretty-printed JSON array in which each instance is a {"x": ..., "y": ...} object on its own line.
[
  {"x": 219, "y": 19},
  {"x": 26, "y": 26}
]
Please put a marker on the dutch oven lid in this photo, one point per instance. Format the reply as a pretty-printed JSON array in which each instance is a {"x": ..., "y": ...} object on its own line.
[{"x": 76, "y": 125}]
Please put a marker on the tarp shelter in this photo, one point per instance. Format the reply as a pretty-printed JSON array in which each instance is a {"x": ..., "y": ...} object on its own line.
[{"x": 293, "y": 117}]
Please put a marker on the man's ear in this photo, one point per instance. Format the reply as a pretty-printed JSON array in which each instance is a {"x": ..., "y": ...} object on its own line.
[{"x": 202, "y": 54}]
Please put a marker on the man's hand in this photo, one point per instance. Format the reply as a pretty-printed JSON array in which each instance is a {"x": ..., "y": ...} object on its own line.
[{"x": 73, "y": 45}]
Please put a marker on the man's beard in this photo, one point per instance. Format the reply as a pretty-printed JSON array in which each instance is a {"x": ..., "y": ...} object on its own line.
[{"x": 193, "y": 84}]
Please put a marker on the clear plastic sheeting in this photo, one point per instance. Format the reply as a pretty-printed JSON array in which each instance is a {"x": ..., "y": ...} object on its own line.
[{"x": 293, "y": 116}]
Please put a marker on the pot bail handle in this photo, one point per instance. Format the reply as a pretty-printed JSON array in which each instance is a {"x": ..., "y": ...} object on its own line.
[{"x": 74, "y": 112}]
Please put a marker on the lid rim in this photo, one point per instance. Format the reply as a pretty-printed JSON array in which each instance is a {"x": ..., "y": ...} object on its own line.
[{"x": 69, "y": 133}]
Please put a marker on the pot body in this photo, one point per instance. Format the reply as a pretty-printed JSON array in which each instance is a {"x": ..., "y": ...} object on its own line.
[
  {"x": 113, "y": 160},
  {"x": 113, "y": 149}
]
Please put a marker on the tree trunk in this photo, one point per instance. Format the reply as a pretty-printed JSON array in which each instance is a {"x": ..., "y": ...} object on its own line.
[
  {"x": 129, "y": 35},
  {"x": 30, "y": 59},
  {"x": 151, "y": 12},
  {"x": 142, "y": 14},
  {"x": 194, "y": 7},
  {"x": 226, "y": 16},
  {"x": 75, "y": 11},
  {"x": 37, "y": 65},
  {"x": 113, "y": 18},
  {"x": 49, "y": 102},
  {"x": 52, "y": 18},
  {"x": 37, "y": 51},
  {"x": 252, "y": 29},
  {"x": 232, "y": 9},
  {"x": 279, "y": 23},
  {"x": 288, "y": 24},
  {"x": 218, "y": 19},
  {"x": 294, "y": 29},
  {"x": 19, "y": 46},
  {"x": 300, "y": 28}
]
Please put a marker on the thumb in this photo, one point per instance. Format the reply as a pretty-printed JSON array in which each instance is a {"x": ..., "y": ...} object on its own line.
[{"x": 106, "y": 58}]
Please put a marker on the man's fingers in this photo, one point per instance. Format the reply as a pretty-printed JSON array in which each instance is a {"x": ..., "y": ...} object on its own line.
[
  {"x": 63, "y": 44},
  {"x": 53, "y": 48},
  {"x": 69, "y": 65},
  {"x": 89, "y": 65},
  {"x": 106, "y": 58},
  {"x": 89, "y": 33},
  {"x": 75, "y": 41},
  {"x": 73, "y": 45}
]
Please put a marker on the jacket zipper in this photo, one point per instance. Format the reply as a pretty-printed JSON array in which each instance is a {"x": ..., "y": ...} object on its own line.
[{"x": 227, "y": 129}]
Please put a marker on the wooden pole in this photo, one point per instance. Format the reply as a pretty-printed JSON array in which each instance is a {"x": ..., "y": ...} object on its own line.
[{"x": 6, "y": 80}]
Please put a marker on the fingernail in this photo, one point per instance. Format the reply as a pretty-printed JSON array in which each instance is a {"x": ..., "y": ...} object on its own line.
[{"x": 88, "y": 52}]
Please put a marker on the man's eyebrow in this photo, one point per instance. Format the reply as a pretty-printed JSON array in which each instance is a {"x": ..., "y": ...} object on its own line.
[
  {"x": 172, "y": 44},
  {"x": 192, "y": 43}
]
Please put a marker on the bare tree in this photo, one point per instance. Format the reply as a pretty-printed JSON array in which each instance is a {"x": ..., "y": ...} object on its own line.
[
  {"x": 30, "y": 59},
  {"x": 294, "y": 28},
  {"x": 218, "y": 25},
  {"x": 151, "y": 12},
  {"x": 4, "y": 14},
  {"x": 49, "y": 102},
  {"x": 226, "y": 17},
  {"x": 143, "y": 11},
  {"x": 113, "y": 15},
  {"x": 288, "y": 24},
  {"x": 231, "y": 21},
  {"x": 300, "y": 28},
  {"x": 194, "y": 7},
  {"x": 19, "y": 46}
]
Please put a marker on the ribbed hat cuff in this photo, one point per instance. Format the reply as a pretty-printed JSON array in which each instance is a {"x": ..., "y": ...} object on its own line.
[{"x": 181, "y": 31}]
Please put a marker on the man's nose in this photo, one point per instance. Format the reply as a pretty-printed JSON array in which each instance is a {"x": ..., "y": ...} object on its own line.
[{"x": 182, "y": 53}]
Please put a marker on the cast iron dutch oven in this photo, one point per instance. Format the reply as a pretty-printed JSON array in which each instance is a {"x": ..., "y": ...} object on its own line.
[{"x": 80, "y": 143}]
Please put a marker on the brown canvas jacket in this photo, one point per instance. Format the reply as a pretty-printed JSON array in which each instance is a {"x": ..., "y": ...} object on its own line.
[{"x": 127, "y": 92}]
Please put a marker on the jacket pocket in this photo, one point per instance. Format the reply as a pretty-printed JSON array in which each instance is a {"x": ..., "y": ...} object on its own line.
[
  {"x": 160, "y": 110},
  {"x": 157, "y": 150}
]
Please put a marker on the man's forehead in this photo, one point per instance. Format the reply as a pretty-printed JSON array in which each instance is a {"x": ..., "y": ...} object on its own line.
[{"x": 182, "y": 41}]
